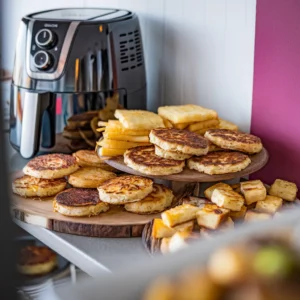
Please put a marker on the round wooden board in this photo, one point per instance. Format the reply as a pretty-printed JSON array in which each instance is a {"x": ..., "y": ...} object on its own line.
[
  {"x": 114, "y": 223},
  {"x": 258, "y": 161}
]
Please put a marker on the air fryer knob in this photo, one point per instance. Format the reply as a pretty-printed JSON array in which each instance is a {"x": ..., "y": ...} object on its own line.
[
  {"x": 45, "y": 38},
  {"x": 42, "y": 60}
]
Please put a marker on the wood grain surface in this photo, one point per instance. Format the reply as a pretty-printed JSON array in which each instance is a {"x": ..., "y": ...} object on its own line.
[
  {"x": 258, "y": 161},
  {"x": 114, "y": 223}
]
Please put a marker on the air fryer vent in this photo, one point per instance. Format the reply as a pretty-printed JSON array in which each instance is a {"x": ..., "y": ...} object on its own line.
[{"x": 131, "y": 53}]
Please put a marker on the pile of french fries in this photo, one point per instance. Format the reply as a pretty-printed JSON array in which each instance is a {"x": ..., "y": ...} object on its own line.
[{"x": 116, "y": 139}]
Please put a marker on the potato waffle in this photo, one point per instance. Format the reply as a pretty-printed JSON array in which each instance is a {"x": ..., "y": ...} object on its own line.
[
  {"x": 125, "y": 189},
  {"x": 176, "y": 140},
  {"x": 186, "y": 113},
  {"x": 157, "y": 201},
  {"x": 144, "y": 160},
  {"x": 139, "y": 119}
]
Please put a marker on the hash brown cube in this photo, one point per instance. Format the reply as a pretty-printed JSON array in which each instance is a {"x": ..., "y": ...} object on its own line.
[
  {"x": 253, "y": 191},
  {"x": 238, "y": 215},
  {"x": 211, "y": 216},
  {"x": 253, "y": 215},
  {"x": 227, "y": 199},
  {"x": 179, "y": 214},
  {"x": 269, "y": 205},
  {"x": 227, "y": 224},
  {"x": 164, "y": 245},
  {"x": 178, "y": 241},
  {"x": 160, "y": 230},
  {"x": 284, "y": 189},
  {"x": 209, "y": 191}
]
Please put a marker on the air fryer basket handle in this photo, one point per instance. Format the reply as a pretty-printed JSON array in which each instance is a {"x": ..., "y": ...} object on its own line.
[{"x": 33, "y": 108}]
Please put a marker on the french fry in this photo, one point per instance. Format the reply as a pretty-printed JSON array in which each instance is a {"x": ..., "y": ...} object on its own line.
[
  {"x": 110, "y": 152},
  {"x": 114, "y": 144},
  {"x": 128, "y": 138},
  {"x": 160, "y": 230}
]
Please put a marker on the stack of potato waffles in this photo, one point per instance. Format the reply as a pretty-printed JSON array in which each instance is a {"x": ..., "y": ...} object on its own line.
[
  {"x": 193, "y": 118},
  {"x": 132, "y": 127},
  {"x": 130, "y": 130}
]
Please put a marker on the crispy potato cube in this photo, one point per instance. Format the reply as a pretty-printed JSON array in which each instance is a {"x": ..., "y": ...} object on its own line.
[
  {"x": 227, "y": 224},
  {"x": 252, "y": 215},
  {"x": 270, "y": 205},
  {"x": 188, "y": 113},
  {"x": 164, "y": 245},
  {"x": 179, "y": 214},
  {"x": 209, "y": 191},
  {"x": 179, "y": 241},
  {"x": 238, "y": 215},
  {"x": 253, "y": 191},
  {"x": 211, "y": 216},
  {"x": 284, "y": 189},
  {"x": 227, "y": 199},
  {"x": 160, "y": 230},
  {"x": 139, "y": 119}
]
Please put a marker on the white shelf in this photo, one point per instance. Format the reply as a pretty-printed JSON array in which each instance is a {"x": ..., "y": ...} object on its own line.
[{"x": 95, "y": 256}]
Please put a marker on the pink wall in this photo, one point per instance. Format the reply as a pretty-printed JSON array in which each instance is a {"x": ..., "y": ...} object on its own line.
[{"x": 276, "y": 91}]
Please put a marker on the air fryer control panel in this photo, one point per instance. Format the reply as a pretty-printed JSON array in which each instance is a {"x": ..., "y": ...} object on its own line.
[{"x": 46, "y": 45}]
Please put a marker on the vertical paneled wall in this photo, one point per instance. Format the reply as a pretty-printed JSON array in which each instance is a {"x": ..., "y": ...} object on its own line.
[{"x": 197, "y": 51}]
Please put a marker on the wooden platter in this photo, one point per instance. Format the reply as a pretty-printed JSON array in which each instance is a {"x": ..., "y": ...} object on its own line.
[
  {"x": 258, "y": 161},
  {"x": 114, "y": 223}
]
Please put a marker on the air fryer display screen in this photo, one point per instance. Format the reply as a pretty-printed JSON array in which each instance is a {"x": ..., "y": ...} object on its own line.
[{"x": 73, "y": 14}]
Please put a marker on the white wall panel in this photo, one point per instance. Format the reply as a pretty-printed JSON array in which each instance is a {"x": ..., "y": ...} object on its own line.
[{"x": 197, "y": 51}]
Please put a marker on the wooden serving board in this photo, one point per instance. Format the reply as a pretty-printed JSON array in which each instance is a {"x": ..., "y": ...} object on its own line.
[
  {"x": 258, "y": 161},
  {"x": 114, "y": 223}
]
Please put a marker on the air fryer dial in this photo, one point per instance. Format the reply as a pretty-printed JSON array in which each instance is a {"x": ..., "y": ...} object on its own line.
[
  {"x": 42, "y": 60},
  {"x": 45, "y": 38}
]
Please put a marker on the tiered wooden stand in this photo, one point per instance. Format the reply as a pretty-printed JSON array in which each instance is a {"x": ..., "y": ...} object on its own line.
[
  {"x": 258, "y": 161},
  {"x": 117, "y": 222}
]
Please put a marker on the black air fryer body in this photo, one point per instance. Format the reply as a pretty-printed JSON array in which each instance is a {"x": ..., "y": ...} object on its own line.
[{"x": 90, "y": 52}]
